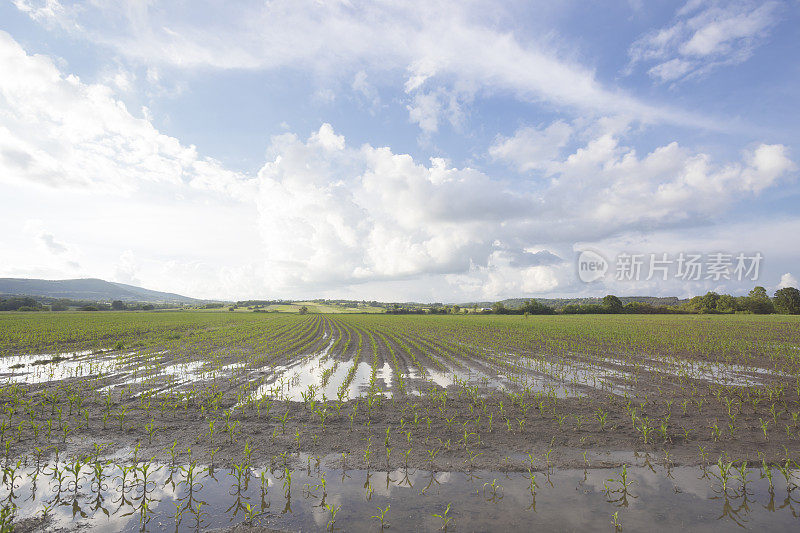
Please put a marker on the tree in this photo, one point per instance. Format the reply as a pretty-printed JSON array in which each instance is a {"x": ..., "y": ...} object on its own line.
[
  {"x": 62, "y": 304},
  {"x": 759, "y": 292},
  {"x": 727, "y": 304},
  {"x": 787, "y": 301},
  {"x": 16, "y": 303},
  {"x": 303, "y": 310},
  {"x": 708, "y": 303},
  {"x": 498, "y": 308},
  {"x": 758, "y": 302},
  {"x": 118, "y": 305},
  {"x": 536, "y": 308},
  {"x": 455, "y": 309},
  {"x": 613, "y": 303},
  {"x": 644, "y": 308}
]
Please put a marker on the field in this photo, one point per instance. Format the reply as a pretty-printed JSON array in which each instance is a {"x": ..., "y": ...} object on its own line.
[
  {"x": 311, "y": 307},
  {"x": 191, "y": 420}
]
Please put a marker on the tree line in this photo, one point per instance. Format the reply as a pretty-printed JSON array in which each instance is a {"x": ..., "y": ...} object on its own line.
[
  {"x": 785, "y": 301},
  {"x": 28, "y": 303}
]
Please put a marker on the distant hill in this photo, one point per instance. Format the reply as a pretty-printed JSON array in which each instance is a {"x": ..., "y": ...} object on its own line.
[{"x": 88, "y": 289}]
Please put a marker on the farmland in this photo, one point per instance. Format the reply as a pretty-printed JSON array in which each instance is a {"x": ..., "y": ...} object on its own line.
[{"x": 269, "y": 404}]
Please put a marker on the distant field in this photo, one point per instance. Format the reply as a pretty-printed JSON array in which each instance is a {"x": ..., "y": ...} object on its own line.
[{"x": 314, "y": 307}]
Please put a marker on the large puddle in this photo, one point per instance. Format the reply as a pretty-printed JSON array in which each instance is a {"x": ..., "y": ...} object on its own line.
[
  {"x": 321, "y": 374},
  {"x": 572, "y": 376},
  {"x": 41, "y": 368},
  {"x": 131, "y": 496}
]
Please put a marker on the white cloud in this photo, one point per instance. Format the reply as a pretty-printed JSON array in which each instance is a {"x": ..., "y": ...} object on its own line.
[
  {"x": 332, "y": 215},
  {"x": 532, "y": 148},
  {"x": 48, "y": 12},
  {"x": 368, "y": 92},
  {"x": 704, "y": 36},
  {"x": 788, "y": 280},
  {"x": 428, "y": 108},
  {"x": 126, "y": 269},
  {"x": 604, "y": 186},
  {"x": 500, "y": 278},
  {"x": 449, "y": 42},
  {"x": 671, "y": 70},
  {"x": 108, "y": 181},
  {"x": 425, "y": 110},
  {"x": 51, "y": 243},
  {"x": 56, "y": 130},
  {"x": 121, "y": 79},
  {"x": 328, "y": 214},
  {"x": 419, "y": 72}
]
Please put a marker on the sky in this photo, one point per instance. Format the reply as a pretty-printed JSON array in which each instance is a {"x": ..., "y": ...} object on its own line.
[{"x": 401, "y": 151}]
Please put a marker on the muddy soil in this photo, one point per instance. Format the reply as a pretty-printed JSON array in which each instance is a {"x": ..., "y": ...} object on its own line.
[{"x": 423, "y": 432}]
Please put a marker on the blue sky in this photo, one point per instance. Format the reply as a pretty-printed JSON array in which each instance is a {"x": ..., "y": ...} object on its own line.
[{"x": 445, "y": 151}]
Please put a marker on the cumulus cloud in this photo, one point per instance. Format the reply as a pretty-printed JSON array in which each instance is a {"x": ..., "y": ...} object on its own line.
[
  {"x": 704, "y": 36},
  {"x": 428, "y": 108},
  {"x": 56, "y": 130},
  {"x": 501, "y": 277},
  {"x": 604, "y": 186},
  {"x": 788, "y": 280},
  {"x": 334, "y": 214}
]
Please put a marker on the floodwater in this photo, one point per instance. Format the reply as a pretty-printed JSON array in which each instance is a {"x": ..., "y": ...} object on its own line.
[
  {"x": 111, "y": 496},
  {"x": 570, "y": 376},
  {"x": 40, "y": 368}
]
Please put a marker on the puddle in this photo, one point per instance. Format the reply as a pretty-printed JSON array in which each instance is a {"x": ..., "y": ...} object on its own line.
[
  {"x": 384, "y": 375},
  {"x": 171, "y": 376},
  {"x": 325, "y": 376},
  {"x": 568, "y": 377},
  {"x": 719, "y": 373},
  {"x": 361, "y": 378},
  {"x": 120, "y": 497},
  {"x": 563, "y": 378},
  {"x": 317, "y": 372},
  {"x": 464, "y": 376},
  {"x": 41, "y": 368}
]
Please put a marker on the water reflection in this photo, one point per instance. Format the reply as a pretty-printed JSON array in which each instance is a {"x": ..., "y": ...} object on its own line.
[{"x": 137, "y": 494}]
